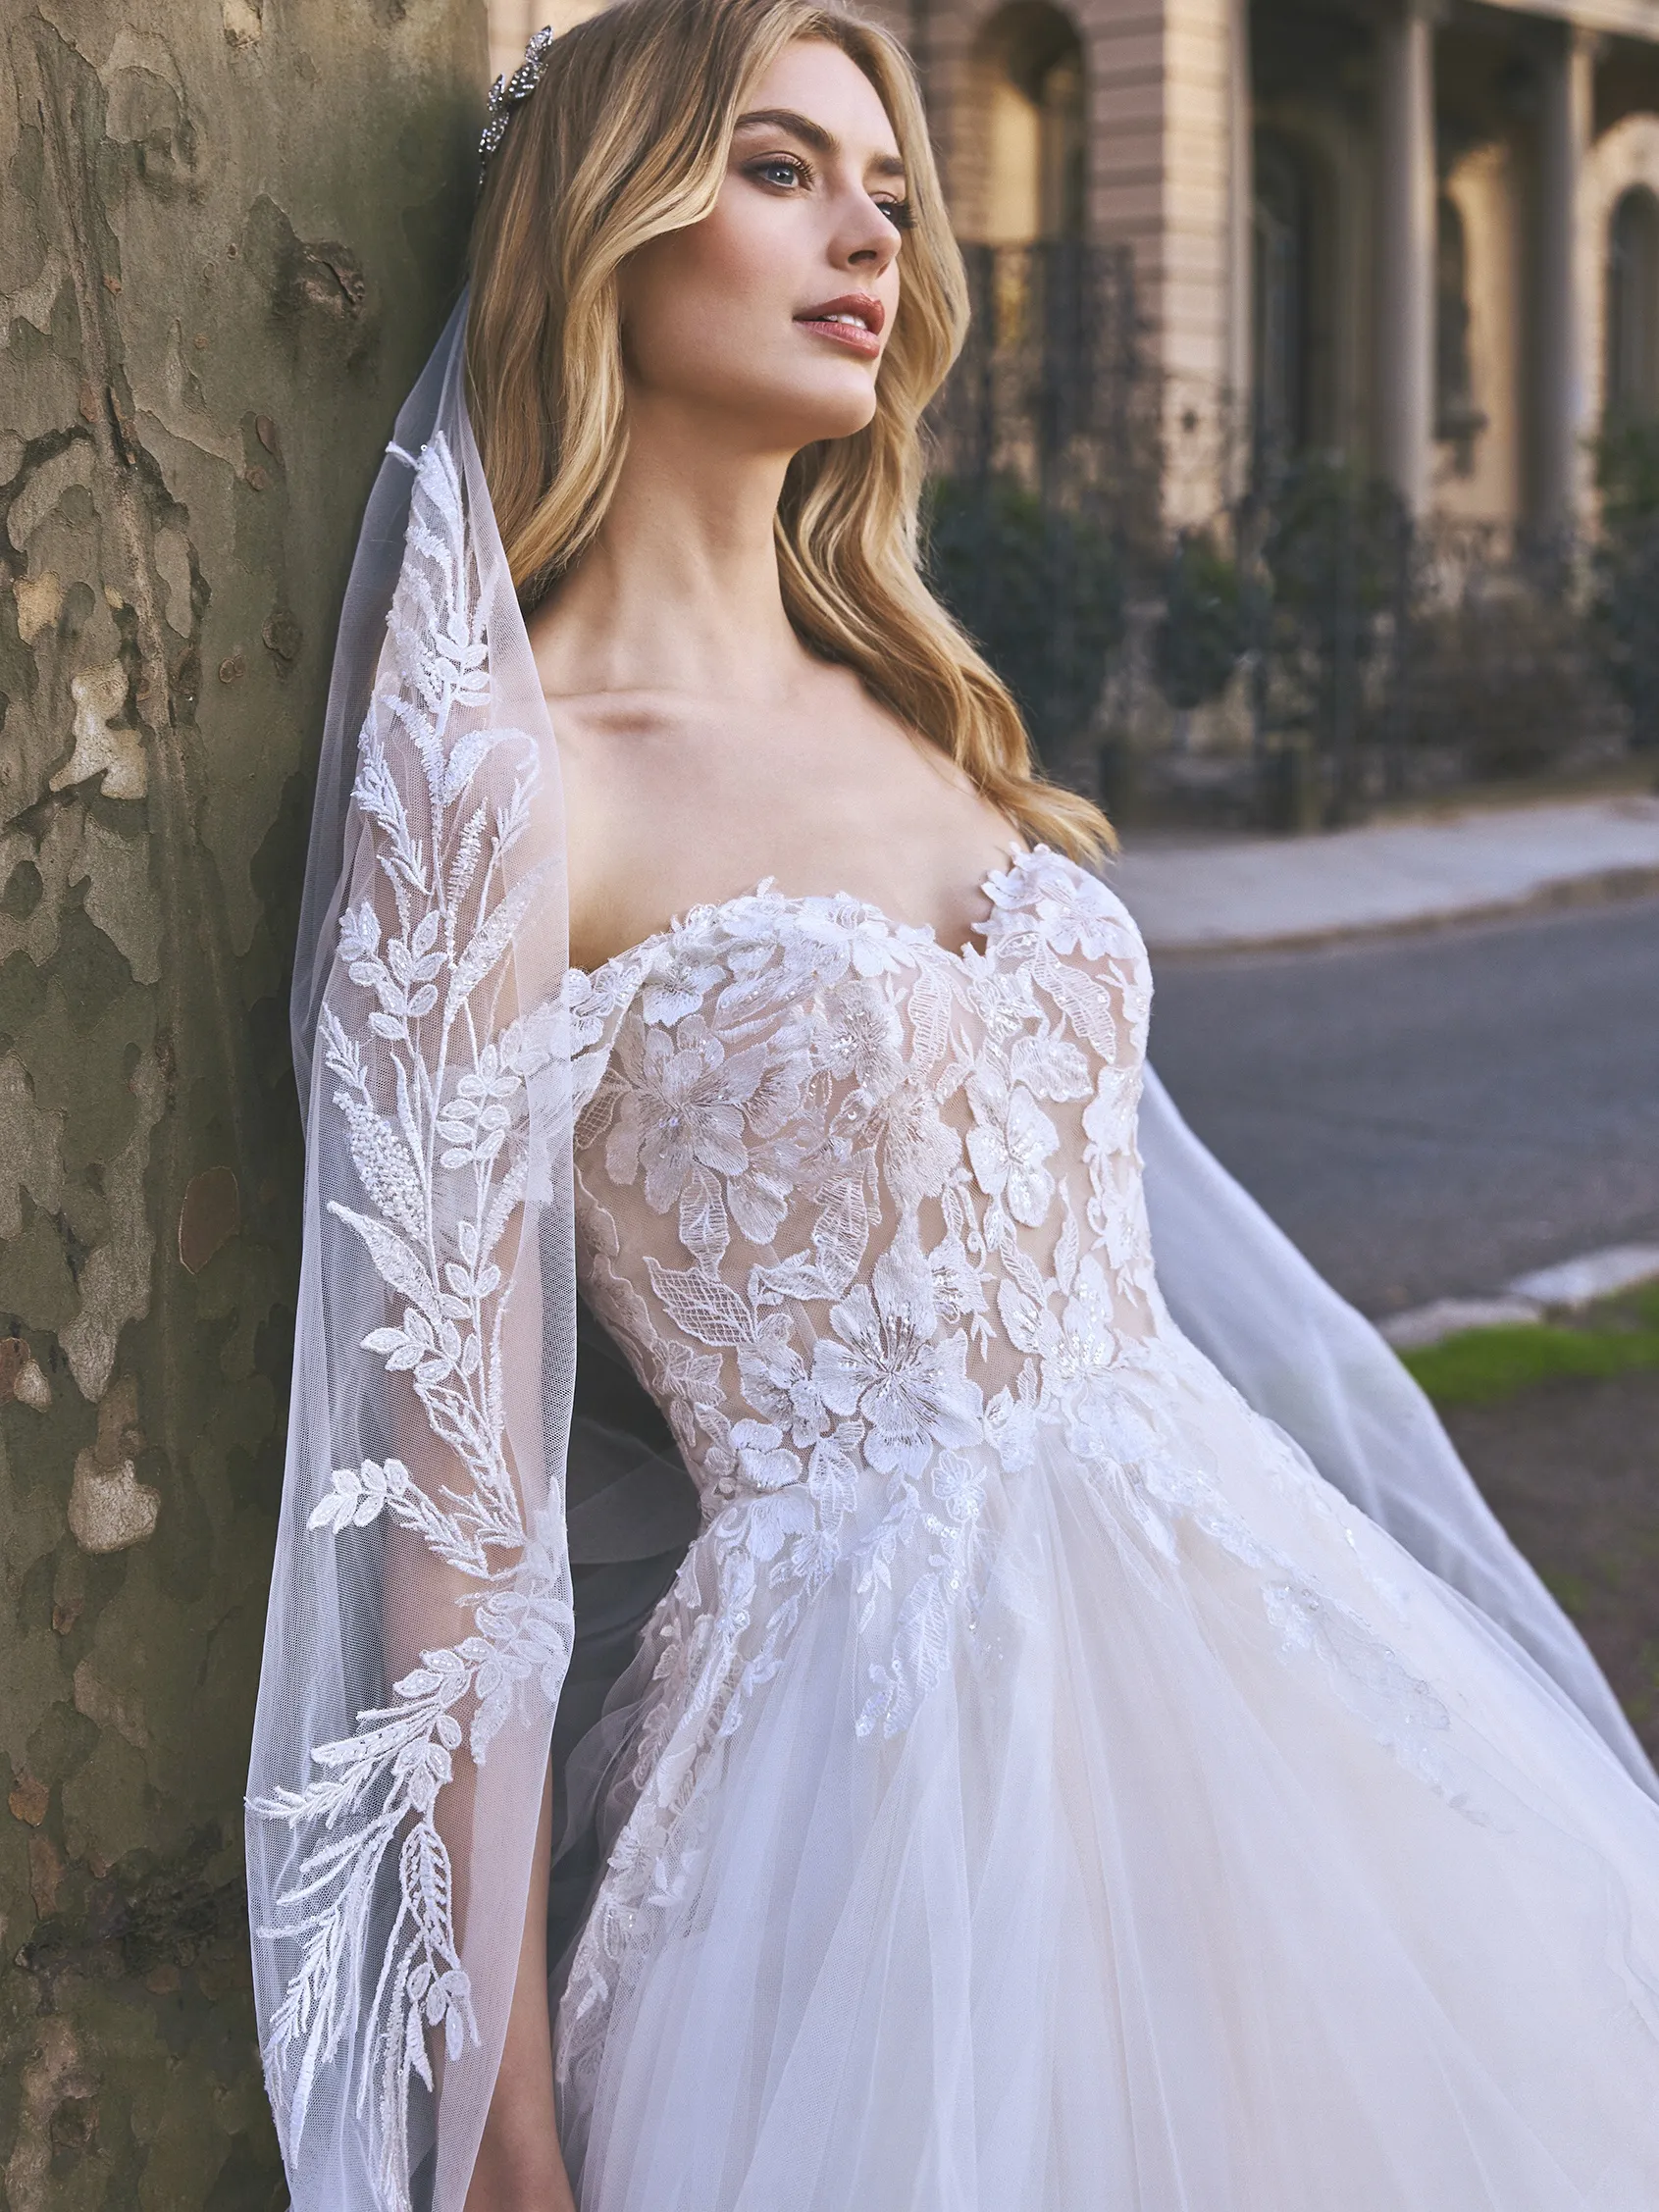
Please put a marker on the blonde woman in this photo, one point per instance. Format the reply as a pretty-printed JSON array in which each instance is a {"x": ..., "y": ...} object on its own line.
[{"x": 1021, "y": 1783}]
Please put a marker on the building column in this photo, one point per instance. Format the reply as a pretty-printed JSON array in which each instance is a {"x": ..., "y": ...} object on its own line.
[
  {"x": 1405, "y": 250},
  {"x": 1241, "y": 244},
  {"x": 1564, "y": 134}
]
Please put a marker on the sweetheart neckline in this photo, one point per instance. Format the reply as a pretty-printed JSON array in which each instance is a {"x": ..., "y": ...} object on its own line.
[{"x": 708, "y": 909}]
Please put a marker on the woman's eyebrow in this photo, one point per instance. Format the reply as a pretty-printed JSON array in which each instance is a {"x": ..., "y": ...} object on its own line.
[{"x": 811, "y": 135}]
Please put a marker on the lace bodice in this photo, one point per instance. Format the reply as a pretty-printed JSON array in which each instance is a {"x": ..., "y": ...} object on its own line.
[{"x": 857, "y": 1203}]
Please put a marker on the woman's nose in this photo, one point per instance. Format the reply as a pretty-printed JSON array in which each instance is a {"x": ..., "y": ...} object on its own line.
[{"x": 872, "y": 239}]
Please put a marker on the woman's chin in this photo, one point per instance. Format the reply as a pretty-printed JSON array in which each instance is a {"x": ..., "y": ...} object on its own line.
[{"x": 837, "y": 407}]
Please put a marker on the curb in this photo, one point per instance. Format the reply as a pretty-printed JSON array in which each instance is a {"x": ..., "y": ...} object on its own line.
[
  {"x": 1566, "y": 1288},
  {"x": 1605, "y": 888}
]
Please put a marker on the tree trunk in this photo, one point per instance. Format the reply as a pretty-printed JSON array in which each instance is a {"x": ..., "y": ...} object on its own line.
[{"x": 230, "y": 230}]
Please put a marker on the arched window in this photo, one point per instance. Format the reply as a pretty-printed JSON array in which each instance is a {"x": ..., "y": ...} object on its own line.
[
  {"x": 1632, "y": 306},
  {"x": 1031, "y": 65},
  {"x": 1458, "y": 420}
]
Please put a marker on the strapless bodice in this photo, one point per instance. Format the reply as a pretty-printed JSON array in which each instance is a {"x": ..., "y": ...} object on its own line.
[{"x": 853, "y": 1200}]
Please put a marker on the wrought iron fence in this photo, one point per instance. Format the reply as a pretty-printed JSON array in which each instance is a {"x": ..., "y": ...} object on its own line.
[
  {"x": 1051, "y": 391},
  {"x": 1308, "y": 651},
  {"x": 1044, "y": 504}
]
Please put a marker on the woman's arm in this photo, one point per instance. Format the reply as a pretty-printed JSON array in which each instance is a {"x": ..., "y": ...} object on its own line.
[{"x": 520, "y": 2168}]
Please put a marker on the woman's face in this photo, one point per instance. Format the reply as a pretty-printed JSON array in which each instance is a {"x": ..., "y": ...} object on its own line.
[{"x": 769, "y": 319}]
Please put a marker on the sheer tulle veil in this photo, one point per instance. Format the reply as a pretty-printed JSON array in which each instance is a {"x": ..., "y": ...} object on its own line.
[
  {"x": 443, "y": 1507},
  {"x": 421, "y": 1622}
]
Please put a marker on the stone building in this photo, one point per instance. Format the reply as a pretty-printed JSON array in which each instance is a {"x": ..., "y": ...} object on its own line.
[{"x": 1420, "y": 234}]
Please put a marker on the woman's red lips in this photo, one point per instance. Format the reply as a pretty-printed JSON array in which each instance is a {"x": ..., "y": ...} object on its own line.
[{"x": 855, "y": 319}]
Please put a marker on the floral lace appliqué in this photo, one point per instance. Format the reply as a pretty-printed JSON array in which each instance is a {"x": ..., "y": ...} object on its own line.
[{"x": 433, "y": 1074}]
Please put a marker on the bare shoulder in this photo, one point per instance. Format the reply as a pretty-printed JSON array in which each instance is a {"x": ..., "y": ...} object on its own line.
[
  {"x": 637, "y": 782},
  {"x": 673, "y": 799}
]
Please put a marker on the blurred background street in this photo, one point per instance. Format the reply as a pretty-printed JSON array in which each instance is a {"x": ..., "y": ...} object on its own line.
[{"x": 1429, "y": 1117}]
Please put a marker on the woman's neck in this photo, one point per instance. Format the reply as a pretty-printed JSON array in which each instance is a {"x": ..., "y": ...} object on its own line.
[{"x": 679, "y": 591}]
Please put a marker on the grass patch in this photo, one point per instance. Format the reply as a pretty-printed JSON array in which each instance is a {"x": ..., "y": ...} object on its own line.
[{"x": 1481, "y": 1364}]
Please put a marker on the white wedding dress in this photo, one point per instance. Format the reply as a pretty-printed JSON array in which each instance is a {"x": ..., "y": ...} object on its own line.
[{"x": 1039, "y": 1790}]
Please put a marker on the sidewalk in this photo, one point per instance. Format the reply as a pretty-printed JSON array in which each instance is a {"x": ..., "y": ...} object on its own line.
[
  {"x": 1564, "y": 1289},
  {"x": 1258, "y": 892}
]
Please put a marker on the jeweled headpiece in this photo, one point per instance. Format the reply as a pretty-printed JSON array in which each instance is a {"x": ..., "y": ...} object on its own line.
[{"x": 508, "y": 93}]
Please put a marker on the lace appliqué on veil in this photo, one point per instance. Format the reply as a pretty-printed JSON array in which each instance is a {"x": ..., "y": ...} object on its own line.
[{"x": 432, "y": 1082}]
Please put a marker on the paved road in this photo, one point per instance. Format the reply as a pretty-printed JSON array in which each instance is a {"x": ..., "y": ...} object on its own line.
[{"x": 1430, "y": 1115}]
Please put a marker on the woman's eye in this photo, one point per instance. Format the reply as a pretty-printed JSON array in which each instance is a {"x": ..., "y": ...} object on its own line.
[
  {"x": 899, "y": 212},
  {"x": 778, "y": 170}
]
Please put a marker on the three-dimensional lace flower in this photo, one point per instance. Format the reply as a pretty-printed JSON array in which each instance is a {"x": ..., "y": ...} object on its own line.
[
  {"x": 679, "y": 1102},
  {"x": 884, "y": 1363}
]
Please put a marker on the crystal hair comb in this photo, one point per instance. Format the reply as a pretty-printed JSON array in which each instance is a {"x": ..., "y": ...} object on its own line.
[{"x": 508, "y": 93}]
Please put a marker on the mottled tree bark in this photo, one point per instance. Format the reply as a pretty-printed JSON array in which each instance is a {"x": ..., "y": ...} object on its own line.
[{"x": 231, "y": 229}]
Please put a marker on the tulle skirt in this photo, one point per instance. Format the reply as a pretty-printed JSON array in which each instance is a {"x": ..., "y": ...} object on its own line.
[{"x": 1231, "y": 1862}]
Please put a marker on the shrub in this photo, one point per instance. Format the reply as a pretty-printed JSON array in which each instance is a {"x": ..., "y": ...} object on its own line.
[
  {"x": 1040, "y": 591},
  {"x": 1627, "y": 569},
  {"x": 1502, "y": 679},
  {"x": 1201, "y": 635}
]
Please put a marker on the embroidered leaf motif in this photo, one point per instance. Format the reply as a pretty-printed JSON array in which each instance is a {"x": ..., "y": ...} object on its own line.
[
  {"x": 493, "y": 940},
  {"x": 924, "y": 1638},
  {"x": 1084, "y": 1001},
  {"x": 436, "y": 1126},
  {"x": 1065, "y": 1251},
  {"x": 395, "y": 1264},
  {"x": 703, "y": 1229},
  {"x": 358, "y": 1494},
  {"x": 841, "y": 1233},
  {"x": 702, "y": 1304},
  {"x": 929, "y": 1010}
]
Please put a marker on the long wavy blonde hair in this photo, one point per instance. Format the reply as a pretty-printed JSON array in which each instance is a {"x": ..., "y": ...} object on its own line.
[{"x": 627, "y": 137}]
